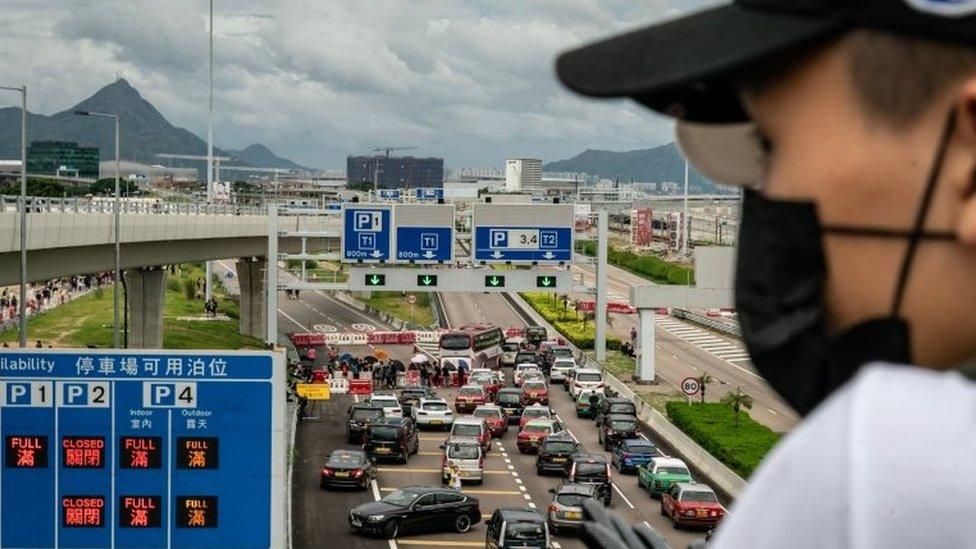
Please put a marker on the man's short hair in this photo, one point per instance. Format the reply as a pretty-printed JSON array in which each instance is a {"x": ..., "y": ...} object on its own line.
[{"x": 896, "y": 78}]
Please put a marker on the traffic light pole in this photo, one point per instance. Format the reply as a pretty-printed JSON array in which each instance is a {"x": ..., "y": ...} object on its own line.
[
  {"x": 600, "y": 341},
  {"x": 271, "y": 276}
]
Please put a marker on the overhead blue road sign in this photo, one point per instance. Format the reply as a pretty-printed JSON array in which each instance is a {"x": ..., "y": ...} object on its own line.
[
  {"x": 523, "y": 233},
  {"x": 366, "y": 235},
  {"x": 389, "y": 193},
  {"x": 424, "y": 233},
  {"x": 141, "y": 449},
  {"x": 500, "y": 244},
  {"x": 429, "y": 193},
  {"x": 334, "y": 207}
]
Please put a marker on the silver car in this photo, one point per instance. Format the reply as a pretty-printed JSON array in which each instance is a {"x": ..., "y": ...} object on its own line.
[
  {"x": 566, "y": 508},
  {"x": 562, "y": 367},
  {"x": 432, "y": 412},
  {"x": 466, "y": 454}
]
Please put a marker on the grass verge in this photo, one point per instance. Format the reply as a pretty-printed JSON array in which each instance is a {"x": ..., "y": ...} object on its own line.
[
  {"x": 88, "y": 320},
  {"x": 396, "y": 304},
  {"x": 712, "y": 425},
  {"x": 566, "y": 320},
  {"x": 650, "y": 267}
]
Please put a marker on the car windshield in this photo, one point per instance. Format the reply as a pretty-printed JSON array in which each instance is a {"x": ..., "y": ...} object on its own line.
[
  {"x": 400, "y": 498},
  {"x": 345, "y": 460},
  {"x": 509, "y": 398},
  {"x": 562, "y": 351},
  {"x": 470, "y": 391},
  {"x": 561, "y": 447},
  {"x": 591, "y": 469},
  {"x": 463, "y": 451},
  {"x": 385, "y": 402},
  {"x": 589, "y": 377},
  {"x": 383, "y": 433},
  {"x": 412, "y": 394},
  {"x": 639, "y": 448},
  {"x": 534, "y": 386},
  {"x": 537, "y": 427},
  {"x": 623, "y": 425},
  {"x": 435, "y": 406},
  {"x": 361, "y": 414},
  {"x": 510, "y": 347},
  {"x": 525, "y": 357},
  {"x": 664, "y": 470},
  {"x": 571, "y": 500},
  {"x": 689, "y": 495},
  {"x": 466, "y": 429},
  {"x": 525, "y": 531},
  {"x": 456, "y": 342},
  {"x": 535, "y": 412},
  {"x": 488, "y": 412}
]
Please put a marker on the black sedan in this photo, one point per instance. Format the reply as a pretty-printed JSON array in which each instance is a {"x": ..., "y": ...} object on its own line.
[
  {"x": 347, "y": 469},
  {"x": 554, "y": 454},
  {"x": 616, "y": 427},
  {"x": 417, "y": 509},
  {"x": 410, "y": 396},
  {"x": 360, "y": 416}
]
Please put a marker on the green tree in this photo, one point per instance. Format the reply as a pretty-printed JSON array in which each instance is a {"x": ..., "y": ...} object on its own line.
[
  {"x": 737, "y": 401},
  {"x": 703, "y": 381}
]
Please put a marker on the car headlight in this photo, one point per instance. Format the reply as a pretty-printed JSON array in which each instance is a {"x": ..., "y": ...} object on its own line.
[{"x": 376, "y": 518}]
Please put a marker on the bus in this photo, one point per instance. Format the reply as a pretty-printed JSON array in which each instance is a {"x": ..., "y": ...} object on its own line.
[{"x": 475, "y": 346}]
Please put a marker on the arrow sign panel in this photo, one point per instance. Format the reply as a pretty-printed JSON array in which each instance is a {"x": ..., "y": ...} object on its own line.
[
  {"x": 424, "y": 234},
  {"x": 366, "y": 234},
  {"x": 494, "y": 281},
  {"x": 375, "y": 280},
  {"x": 545, "y": 281},
  {"x": 515, "y": 233},
  {"x": 427, "y": 281}
]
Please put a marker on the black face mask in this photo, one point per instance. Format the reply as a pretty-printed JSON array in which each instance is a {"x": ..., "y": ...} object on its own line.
[{"x": 780, "y": 274}]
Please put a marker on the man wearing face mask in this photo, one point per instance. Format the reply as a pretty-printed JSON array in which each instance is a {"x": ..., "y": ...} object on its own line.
[{"x": 852, "y": 126}]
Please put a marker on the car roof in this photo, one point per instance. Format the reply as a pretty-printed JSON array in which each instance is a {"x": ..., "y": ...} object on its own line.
[
  {"x": 621, "y": 417},
  {"x": 395, "y": 421},
  {"x": 487, "y": 407},
  {"x": 347, "y": 452},
  {"x": 669, "y": 461},
  {"x": 576, "y": 488},
  {"x": 463, "y": 440},
  {"x": 366, "y": 406},
  {"x": 422, "y": 489},
  {"x": 560, "y": 437},
  {"x": 564, "y": 359},
  {"x": 472, "y": 386},
  {"x": 433, "y": 399},
  {"x": 510, "y": 390},
  {"x": 382, "y": 396},
  {"x": 536, "y": 381},
  {"x": 520, "y": 514},
  {"x": 638, "y": 442},
  {"x": 541, "y": 421}
]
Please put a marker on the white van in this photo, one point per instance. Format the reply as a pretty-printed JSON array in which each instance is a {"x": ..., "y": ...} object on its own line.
[
  {"x": 586, "y": 379},
  {"x": 466, "y": 453}
]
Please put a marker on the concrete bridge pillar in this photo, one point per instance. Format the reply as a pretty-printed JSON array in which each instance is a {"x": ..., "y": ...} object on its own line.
[
  {"x": 251, "y": 278},
  {"x": 146, "y": 288}
]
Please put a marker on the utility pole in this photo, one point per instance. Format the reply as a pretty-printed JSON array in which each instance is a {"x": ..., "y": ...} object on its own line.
[
  {"x": 685, "y": 226},
  {"x": 22, "y": 305},
  {"x": 601, "y": 286},
  {"x": 208, "y": 290}
]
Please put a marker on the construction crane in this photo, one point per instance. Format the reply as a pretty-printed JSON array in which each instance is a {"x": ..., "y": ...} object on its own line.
[{"x": 376, "y": 162}]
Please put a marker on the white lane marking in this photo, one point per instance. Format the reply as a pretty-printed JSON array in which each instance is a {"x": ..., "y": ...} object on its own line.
[
  {"x": 627, "y": 501},
  {"x": 555, "y": 545},
  {"x": 355, "y": 398},
  {"x": 771, "y": 411},
  {"x": 527, "y": 496},
  {"x": 376, "y": 490},
  {"x": 737, "y": 359},
  {"x": 517, "y": 480},
  {"x": 531, "y": 505},
  {"x": 522, "y": 488},
  {"x": 299, "y": 324}
]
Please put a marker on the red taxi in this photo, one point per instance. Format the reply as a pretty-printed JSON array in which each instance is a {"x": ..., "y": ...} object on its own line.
[
  {"x": 691, "y": 504},
  {"x": 534, "y": 433},
  {"x": 536, "y": 411},
  {"x": 488, "y": 379},
  {"x": 535, "y": 391},
  {"x": 494, "y": 418},
  {"x": 470, "y": 397}
]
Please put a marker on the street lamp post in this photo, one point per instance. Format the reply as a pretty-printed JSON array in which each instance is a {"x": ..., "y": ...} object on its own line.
[
  {"x": 22, "y": 305},
  {"x": 115, "y": 223}
]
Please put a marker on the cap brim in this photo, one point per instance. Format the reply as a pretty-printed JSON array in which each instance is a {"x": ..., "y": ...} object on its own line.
[
  {"x": 687, "y": 67},
  {"x": 730, "y": 154}
]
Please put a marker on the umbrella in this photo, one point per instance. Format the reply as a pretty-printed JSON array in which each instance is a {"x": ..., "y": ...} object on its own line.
[
  {"x": 382, "y": 355},
  {"x": 419, "y": 358},
  {"x": 346, "y": 357},
  {"x": 369, "y": 359}
]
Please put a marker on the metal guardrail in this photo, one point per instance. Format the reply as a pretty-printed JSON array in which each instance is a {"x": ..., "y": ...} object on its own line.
[
  {"x": 128, "y": 206},
  {"x": 724, "y": 327}
]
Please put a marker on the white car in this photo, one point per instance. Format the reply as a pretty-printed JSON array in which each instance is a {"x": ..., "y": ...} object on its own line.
[
  {"x": 432, "y": 412},
  {"x": 391, "y": 406},
  {"x": 520, "y": 370},
  {"x": 586, "y": 379},
  {"x": 510, "y": 348},
  {"x": 561, "y": 369}
]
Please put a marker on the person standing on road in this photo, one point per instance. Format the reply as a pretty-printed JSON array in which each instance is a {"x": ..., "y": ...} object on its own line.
[
  {"x": 852, "y": 128},
  {"x": 455, "y": 478}
]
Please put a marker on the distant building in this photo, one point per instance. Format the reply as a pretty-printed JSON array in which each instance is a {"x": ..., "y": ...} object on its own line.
[
  {"x": 523, "y": 174},
  {"x": 395, "y": 172},
  {"x": 62, "y": 158}
]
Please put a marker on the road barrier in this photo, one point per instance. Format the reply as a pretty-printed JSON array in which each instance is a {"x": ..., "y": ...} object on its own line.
[
  {"x": 339, "y": 385},
  {"x": 727, "y": 328},
  {"x": 360, "y": 386}
]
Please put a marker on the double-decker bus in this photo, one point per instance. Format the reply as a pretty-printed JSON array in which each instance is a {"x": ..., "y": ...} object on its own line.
[{"x": 475, "y": 346}]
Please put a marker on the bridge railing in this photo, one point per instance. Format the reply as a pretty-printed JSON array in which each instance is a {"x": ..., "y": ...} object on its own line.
[{"x": 128, "y": 206}]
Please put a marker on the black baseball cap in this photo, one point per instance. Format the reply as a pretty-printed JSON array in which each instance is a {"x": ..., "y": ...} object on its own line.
[{"x": 686, "y": 68}]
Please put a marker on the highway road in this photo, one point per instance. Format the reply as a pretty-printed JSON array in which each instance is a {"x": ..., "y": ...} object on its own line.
[{"x": 684, "y": 349}]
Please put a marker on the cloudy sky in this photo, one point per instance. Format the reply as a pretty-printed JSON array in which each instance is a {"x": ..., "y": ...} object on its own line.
[{"x": 315, "y": 80}]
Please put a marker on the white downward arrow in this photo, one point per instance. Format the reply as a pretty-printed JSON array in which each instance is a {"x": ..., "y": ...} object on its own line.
[
  {"x": 377, "y": 253},
  {"x": 548, "y": 255},
  {"x": 496, "y": 254},
  {"x": 429, "y": 254}
]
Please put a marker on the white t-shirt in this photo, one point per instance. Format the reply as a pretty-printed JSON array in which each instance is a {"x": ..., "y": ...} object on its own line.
[{"x": 888, "y": 461}]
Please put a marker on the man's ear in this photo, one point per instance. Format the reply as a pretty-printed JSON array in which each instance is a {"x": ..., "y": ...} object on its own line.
[{"x": 965, "y": 108}]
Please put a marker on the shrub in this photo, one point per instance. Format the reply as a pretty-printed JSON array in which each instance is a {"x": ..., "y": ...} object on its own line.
[
  {"x": 173, "y": 284},
  {"x": 712, "y": 426},
  {"x": 189, "y": 288},
  {"x": 566, "y": 322}
]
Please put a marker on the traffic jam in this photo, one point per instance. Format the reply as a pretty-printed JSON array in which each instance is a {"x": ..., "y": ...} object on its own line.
[{"x": 495, "y": 442}]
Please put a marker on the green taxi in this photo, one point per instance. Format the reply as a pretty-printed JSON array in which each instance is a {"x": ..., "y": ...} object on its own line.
[
  {"x": 583, "y": 406},
  {"x": 657, "y": 476}
]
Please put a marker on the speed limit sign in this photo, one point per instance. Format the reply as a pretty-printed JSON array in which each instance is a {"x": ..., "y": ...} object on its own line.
[
  {"x": 411, "y": 299},
  {"x": 690, "y": 386}
]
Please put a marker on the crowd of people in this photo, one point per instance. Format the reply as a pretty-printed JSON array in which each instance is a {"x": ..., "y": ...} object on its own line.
[{"x": 43, "y": 296}]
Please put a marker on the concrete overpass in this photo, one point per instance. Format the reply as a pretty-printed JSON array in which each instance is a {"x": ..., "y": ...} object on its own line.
[{"x": 69, "y": 237}]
